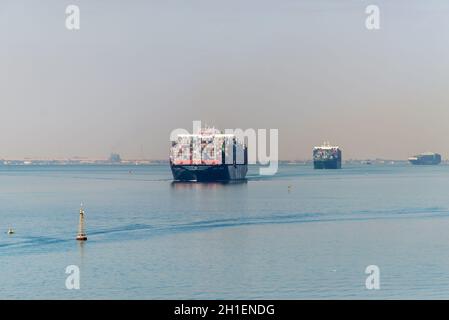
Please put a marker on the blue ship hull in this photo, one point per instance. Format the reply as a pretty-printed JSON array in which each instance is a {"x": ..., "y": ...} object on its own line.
[
  {"x": 426, "y": 159},
  {"x": 327, "y": 164}
]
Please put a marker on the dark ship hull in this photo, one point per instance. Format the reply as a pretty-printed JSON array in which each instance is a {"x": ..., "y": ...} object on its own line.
[
  {"x": 209, "y": 173},
  {"x": 327, "y": 164}
]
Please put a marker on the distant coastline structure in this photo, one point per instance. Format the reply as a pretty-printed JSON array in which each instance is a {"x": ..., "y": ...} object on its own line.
[
  {"x": 115, "y": 158},
  {"x": 81, "y": 236}
]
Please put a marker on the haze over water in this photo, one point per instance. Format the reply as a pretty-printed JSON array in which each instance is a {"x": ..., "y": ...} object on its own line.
[
  {"x": 149, "y": 238},
  {"x": 137, "y": 70}
]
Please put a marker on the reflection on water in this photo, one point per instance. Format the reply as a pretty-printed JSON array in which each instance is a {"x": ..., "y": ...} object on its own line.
[
  {"x": 192, "y": 185},
  {"x": 81, "y": 250}
]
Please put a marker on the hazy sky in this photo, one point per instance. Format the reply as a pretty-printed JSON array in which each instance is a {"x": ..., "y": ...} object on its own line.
[{"x": 138, "y": 69}]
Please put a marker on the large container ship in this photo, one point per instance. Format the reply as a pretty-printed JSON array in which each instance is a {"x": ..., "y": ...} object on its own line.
[
  {"x": 427, "y": 158},
  {"x": 208, "y": 155},
  {"x": 326, "y": 157}
]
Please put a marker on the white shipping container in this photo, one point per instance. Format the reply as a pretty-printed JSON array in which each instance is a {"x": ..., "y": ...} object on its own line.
[{"x": 240, "y": 154}]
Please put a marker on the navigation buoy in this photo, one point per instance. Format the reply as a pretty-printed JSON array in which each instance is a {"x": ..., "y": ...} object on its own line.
[
  {"x": 10, "y": 231},
  {"x": 81, "y": 236}
]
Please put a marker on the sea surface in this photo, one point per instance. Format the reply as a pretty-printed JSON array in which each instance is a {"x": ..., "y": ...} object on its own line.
[{"x": 301, "y": 234}]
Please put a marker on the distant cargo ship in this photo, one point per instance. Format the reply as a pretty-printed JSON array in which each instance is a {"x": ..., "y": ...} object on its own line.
[
  {"x": 427, "y": 158},
  {"x": 326, "y": 157},
  {"x": 208, "y": 156}
]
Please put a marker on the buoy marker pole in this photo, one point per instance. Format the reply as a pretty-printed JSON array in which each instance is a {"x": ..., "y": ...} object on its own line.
[{"x": 81, "y": 236}]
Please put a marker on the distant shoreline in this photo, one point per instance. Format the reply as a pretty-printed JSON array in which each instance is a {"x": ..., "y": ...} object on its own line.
[{"x": 166, "y": 162}]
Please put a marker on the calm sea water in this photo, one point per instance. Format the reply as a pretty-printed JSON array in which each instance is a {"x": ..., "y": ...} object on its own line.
[{"x": 152, "y": 239}]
